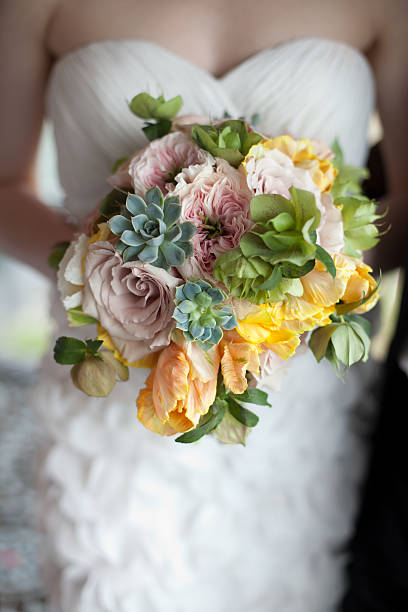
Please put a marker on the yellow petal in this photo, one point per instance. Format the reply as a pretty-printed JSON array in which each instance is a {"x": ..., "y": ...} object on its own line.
[
  {"x": 149, "y": 361},
  {"x": 103, "y": 233},
  {"x": 285, "y": 349},
  {"x": 321, "y": 289},
  {"x": 252, "y": 332}
]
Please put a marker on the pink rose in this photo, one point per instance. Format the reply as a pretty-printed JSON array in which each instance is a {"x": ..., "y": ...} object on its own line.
[
  {"x": 217, "y": 202},
  {"x": 134, "y": 302}
]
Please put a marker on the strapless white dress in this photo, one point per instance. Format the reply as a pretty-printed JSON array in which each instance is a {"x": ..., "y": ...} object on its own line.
[{"x": 136, "y": 522}]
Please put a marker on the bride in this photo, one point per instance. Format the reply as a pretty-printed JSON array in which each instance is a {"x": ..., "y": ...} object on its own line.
[{"x": 135, "y": 522}]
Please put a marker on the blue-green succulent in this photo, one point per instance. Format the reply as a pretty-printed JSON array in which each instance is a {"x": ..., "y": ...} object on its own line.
[
  {"x": 200, "y": 315},
  {"x": 150, "y": 231}
]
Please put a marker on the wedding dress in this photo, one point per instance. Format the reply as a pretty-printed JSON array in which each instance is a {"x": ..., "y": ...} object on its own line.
[{"x": 139, "y": 523}]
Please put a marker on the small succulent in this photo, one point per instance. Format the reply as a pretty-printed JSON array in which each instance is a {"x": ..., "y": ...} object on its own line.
[
  {"x": 199, "y": 315},
  {"x": 231, "y": 140},
  {"x": 254, "y": 279},
  {"x": 149, "y": 230}
]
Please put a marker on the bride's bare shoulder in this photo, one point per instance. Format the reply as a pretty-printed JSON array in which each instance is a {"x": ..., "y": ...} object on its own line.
[{"x": 25, "y": 15}]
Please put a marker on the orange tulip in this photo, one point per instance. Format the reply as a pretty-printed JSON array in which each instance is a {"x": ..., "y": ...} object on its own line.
[{"x": 238, "y": 357}]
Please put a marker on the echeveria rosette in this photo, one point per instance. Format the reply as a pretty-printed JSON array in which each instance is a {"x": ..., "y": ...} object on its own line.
[
  {"x": 230, "y": 140},
  {"x": 199, "y": 314},
  {"x": 149, "y": 230}
]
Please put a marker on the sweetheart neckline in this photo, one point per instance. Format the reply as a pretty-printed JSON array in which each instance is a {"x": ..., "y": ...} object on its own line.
[{"x": 60, "y": 61}]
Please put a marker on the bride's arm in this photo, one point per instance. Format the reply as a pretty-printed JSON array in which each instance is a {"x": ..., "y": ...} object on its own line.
[
  {"x": 388, "y": 57},
  {"x": 28, "y": 228}
]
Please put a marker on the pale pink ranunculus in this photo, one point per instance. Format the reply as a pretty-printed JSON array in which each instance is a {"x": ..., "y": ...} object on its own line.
[
  {"x": 321, "y": 150},
  {"x": 330, "y": 233},
  {"x": 214, "y": 198},
  {"x": 164, "y": 158},
  {"x": 134, "y": 302},
  {"x": 273, "y": 369},
  {"x": 275, "y": 172}
]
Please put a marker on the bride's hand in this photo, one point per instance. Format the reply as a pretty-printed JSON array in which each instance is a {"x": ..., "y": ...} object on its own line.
[{"x": 28, "y": 228}]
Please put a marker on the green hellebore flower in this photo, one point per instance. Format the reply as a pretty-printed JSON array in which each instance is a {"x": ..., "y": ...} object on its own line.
[
  {"x": 230, "y": 141},
  {"x": 254, "y": 279}
]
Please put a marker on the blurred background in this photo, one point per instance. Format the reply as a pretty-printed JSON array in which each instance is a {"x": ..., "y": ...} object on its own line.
[{"x": 25, "y": 335}]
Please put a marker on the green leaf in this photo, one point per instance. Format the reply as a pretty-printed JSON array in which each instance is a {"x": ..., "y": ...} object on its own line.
[
  {"x": 112, "y": 203},
  {"x": 253, "y": 396},
  {"x": 77, "y": 318},
  {"x": 94, "y": 345},
  {"x": 206, "y": 424},
  {"x": 304, "y": 204},
  {"x": 362, "y": 321},
  {"x": 290, "y": 270},
  {"x": 57, "y": 253},
  {"x": 143, "y": 105},
  {"x": 283, "y": 222},
  {"x": 320, "y": 338},
  {"x": 232, "y": 156},
  {"x": 243, "y": 415},
  {"x": 118, "y": 163},
  {"x": 169, "y": 109},
  {"x": 326, "y": 259},
  {"x": 338, "y": 154},
  {"x": 265, "y": 207},
  {"x": 252, "y": 245},
  {"x": 333, "y": 360},
  {"x": 231, "y": 431},
  {"x": 152, "y": 131},
  {"x": 347, "y": 344},
  {"x": 251, "y": 139},
  {"x": 203, "y": 139},
  {"x": 69, "y": 350},
  {"x": 272, "y": 281}
]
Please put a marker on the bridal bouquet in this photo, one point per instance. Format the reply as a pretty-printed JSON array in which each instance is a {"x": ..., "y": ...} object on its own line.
[{"x": 219, "y": 254}]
